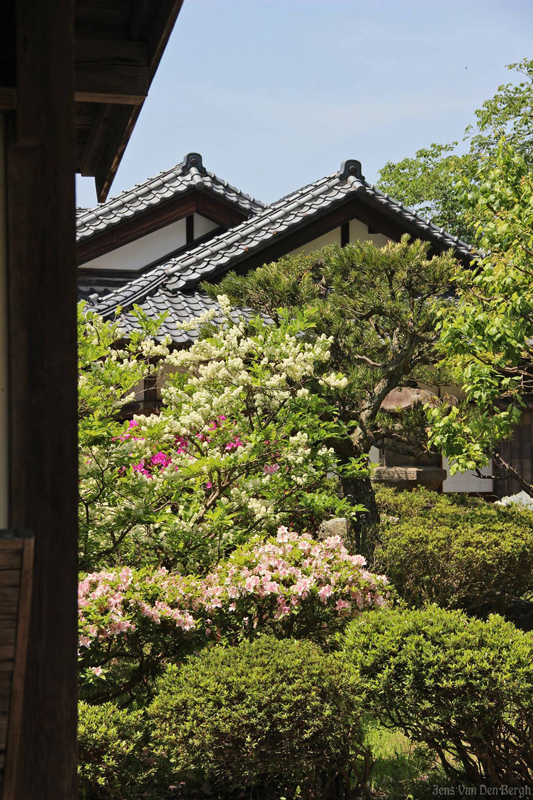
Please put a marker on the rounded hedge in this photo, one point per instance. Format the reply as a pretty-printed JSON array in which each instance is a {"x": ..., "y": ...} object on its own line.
[
  {"x": 463, "y": 686},
  {"x": 265, "y": 715},
  {"x": 114, "y": 755},
  {"x": 454, "y": 551}
]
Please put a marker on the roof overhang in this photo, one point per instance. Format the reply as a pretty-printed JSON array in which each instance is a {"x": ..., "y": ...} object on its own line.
[{"x": 118, "y": 46}]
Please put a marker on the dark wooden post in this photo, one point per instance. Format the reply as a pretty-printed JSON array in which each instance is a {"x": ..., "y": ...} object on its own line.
[{"x": 42, "y": 384}]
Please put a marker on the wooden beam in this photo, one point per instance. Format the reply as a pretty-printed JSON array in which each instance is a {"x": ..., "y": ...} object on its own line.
[
  {"x": 40, "y": 158},
  {"x": 165, "y": 18},
  {"x": 111, "y": 71},
  {"x": 8, "y": 98},
  {"x": 120, "y": 129}
]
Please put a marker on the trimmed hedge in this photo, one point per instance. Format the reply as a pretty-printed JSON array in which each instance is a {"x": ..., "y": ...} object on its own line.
[
  {"x": 462, "y": 686},
  {"x": 265, "y": 716},
  {"x": 455, "y": 551},
  {"x": 114, "y": 756}
]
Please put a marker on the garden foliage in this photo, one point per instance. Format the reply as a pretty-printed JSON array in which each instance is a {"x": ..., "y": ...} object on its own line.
[
  {"x": 267, "y": 717},
  {"x": 455, "y": 551},
  {"x": 462, "y": 686},
  {"x": 238, "y": 446},
  {"x": 133, "y": 623},
  {"x": 379, "y": 307}
]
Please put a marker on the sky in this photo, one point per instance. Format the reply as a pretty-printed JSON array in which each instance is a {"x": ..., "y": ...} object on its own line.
[{"x": 277, "y": 93}]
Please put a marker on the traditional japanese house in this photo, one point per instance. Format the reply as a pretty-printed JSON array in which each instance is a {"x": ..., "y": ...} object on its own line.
[{"x": 153, "y": 245}]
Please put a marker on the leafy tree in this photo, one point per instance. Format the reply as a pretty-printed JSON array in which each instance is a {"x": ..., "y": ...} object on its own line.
[
  {"x": 432, "y": 180},
  {"x": 488, "y": 333},
  {"x": 236, "y": 448},
  {"x": 379, "y": 306}
]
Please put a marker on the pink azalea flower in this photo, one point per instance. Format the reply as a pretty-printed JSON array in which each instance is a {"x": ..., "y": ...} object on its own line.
[
  {"x": 96, "y": 670},
  {"x": 325, "y": 592},
  {"x": 342, "y": 605},
  {"x": 161, "y": 459},
  {"x": 270, "y": 469}
]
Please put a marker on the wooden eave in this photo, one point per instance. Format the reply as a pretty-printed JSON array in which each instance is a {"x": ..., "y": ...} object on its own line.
[
  {"x": 118, "y": 46},
  {"x": 193, "y": 201}
]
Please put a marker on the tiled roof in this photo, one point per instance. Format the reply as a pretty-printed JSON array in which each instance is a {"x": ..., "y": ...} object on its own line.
[
  {"x": 190, "y": 174},
  {"x": 175, "y": 280}
]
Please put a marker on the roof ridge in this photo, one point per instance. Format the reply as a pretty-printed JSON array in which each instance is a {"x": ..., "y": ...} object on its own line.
[
  {"x": 157, "y": 189},
  {"x": 186, "y": 270}
]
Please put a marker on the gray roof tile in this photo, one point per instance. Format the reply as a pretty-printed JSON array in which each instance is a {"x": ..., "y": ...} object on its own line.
[
  {"x": 173, "y": 282},
  {"x": 188, "y": 175}
]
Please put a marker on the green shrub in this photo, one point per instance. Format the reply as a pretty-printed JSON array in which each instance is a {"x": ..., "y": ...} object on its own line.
[
  {"x": 265, "y": 716},
  {"x": 114, "y": 758},
  {"x": 454, "y": 551},
  {"x": 463, "y": 686}
]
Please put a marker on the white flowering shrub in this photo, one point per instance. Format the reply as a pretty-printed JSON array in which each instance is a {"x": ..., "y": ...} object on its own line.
[{"x": 239, "y": 446}]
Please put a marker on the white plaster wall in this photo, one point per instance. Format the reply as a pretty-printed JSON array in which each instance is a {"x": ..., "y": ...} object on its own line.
[
  {"x": 202, "y": 225},
  {"x": 359, "y": 232},
  {"x": 333, "y": 237},
  {"x": 4, "y": 444},
  {"x": 373, "y": 455},
  {"x": 153, "y": 246},
  {"x": 467, "y": 481}
]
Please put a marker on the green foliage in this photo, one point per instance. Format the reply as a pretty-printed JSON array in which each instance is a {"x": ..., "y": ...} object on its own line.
[
  {"x": 380, "y": 305},
  {"x": 432, "y": 181},
  {"x": 455, "y": 551},
  {"x": 509, "y": 114},
  {"x": 266, "y": 717},
  {"x": 435, "y": 179},
  {"x": 489, "y": 331},
  {"x": 114, "y": 756},
  {"x": 462, "y": 686}
]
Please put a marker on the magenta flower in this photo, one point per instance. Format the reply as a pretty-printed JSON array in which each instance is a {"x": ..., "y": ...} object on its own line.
[{"x": 161, "y": 459}]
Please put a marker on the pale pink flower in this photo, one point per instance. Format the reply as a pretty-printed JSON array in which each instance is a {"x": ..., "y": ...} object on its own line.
[
  {"x": 96, "y": 670},
  {"x": 333, "y": 542},
  {"x": 342, "y": 605},
  {"x": 325, "y": 592}
]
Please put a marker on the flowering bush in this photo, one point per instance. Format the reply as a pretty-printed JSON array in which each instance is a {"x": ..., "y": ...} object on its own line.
[
  {"x": 238, "y": 446},
  {"x": 289, "y": 586}
]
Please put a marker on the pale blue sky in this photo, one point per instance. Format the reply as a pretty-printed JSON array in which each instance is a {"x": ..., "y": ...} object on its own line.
[{"x": 276, "y": 93}]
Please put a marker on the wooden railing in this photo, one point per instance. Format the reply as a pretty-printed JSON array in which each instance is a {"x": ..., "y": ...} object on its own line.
[{"x": 16, "y": 565}]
